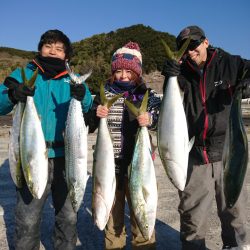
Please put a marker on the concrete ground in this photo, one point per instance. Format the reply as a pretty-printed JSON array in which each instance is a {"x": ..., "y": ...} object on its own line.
[{"x": 89, "y": 236}]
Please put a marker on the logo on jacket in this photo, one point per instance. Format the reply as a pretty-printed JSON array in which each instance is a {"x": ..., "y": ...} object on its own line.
[
  {"x": 218, "y": 83},
  {"x": 66, "y": 80}
]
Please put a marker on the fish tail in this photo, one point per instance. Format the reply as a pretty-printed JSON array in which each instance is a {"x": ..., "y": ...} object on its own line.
[
  {"x": 104, "y": 100},
  {"x": 77, "y": 79},
  {"x": 143, "y": 107},
  {"x": 178, "y": 54},
  {"x": 31, "y": 82}
]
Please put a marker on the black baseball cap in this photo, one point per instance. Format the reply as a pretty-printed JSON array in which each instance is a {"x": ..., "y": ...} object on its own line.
[{"x": 194, "y": 32}]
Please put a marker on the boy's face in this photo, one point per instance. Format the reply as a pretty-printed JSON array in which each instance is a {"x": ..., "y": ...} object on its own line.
[{"x": 56, "y": 50}]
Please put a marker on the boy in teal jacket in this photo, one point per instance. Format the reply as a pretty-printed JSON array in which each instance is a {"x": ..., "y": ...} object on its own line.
[{"x": 52, "y": 95}]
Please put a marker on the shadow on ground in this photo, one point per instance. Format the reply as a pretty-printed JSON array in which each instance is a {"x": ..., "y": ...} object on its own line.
[{"x": 89, "y": 236}]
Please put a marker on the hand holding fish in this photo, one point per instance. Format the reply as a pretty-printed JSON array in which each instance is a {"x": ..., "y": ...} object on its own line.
[
  {"x": 102, "y": 111},
  {"x": 171, "y": 68},
  {"x": 18, "y": 92},
  {"x": 144, "y": 119},
  {"x": 77, "y": 91}
]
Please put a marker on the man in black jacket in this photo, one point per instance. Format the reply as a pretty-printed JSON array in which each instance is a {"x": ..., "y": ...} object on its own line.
[{"x": 208, "y": 76}]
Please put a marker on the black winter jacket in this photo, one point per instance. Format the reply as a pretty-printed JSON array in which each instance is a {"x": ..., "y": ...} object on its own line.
[{"x": 207, "y": 100}]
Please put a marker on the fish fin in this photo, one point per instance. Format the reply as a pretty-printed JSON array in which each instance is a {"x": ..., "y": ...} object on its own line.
[
  {"x": 31, "y": 81},
  {"x": 178, "y": 54},
  {"x": 144, "y": 103},
  {"x": 182, "y": 94},
  {"x": 191, "y": 143},
  {"x": 76, "y": 79},
  {"x": 145, "y": 194},
  {"x": 85, "y": 76},
  {"x": 103, "y": 97},
  {"x": 70, "y": 72},
  {"x": 132, "y": 108},
  {"x": 46, "y": 152},
  {"x": 88, "y": 175},
  {"x": 23, "y": 75},
  {"x": 129, "y": 170},
  {"x": 143, "y": 107},
  {"x": 113, "y": 99},
  {"x": 107, "y": 102}
]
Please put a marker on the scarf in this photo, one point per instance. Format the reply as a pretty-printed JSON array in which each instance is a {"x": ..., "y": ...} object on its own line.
[
  {"x": 131, "y": 91},
  {"x": 121, "y": 87},
  {"x": 50, "y": 66}
]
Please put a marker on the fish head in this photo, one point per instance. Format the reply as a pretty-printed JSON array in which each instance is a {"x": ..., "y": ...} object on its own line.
[{"x": 100, "y": 214}]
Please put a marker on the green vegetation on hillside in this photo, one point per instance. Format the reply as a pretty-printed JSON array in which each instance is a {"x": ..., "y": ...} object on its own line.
[{"x": 95, "y": 52}]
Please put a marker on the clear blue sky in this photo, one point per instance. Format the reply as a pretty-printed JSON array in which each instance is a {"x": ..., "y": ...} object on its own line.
[{"x": 225, "y": 22}]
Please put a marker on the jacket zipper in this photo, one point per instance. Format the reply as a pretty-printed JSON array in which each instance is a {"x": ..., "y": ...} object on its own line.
[
  {"x": 203, "y": 99},
  {"x": 46, "y": 109}
]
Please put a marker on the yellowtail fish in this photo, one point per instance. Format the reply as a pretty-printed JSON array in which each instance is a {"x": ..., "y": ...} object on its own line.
[
  {"x": 33, "y": 150},
  {"x": 104, "y": 181},
  {"x": 172, "y": 133},
  {"x": 142, "y": 179},
  {"x": 14, "y": 146},
  {"x": 235, "y": 153}
]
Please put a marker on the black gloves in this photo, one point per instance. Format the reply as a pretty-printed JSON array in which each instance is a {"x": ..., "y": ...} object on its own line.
[
  {"x": 17, "y": 92},
  {"x": 77, "y": 91},
  {"x": 171, "y": 68}
]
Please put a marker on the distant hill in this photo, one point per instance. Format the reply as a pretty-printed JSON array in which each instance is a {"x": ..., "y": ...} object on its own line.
[
  {"x": 11, "y": 59},
  {"x": 95, "y": 52}
]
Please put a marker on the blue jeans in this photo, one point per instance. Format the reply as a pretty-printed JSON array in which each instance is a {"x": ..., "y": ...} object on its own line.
[{"x": 28, "y": 212}]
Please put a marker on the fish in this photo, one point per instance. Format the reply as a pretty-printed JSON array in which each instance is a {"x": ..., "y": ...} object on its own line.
[
  {"x": 76, "y": 146},
  {"x": 142, "y": 179},
  {"x": 14, "y": 146},
  {"x": 34, "y": 156},
  {"x": 235, "y": 153},
  {"x": 14, "y": 142},
  {"x": 172, "y": 133},
  {"x": 104, "y": 180}
]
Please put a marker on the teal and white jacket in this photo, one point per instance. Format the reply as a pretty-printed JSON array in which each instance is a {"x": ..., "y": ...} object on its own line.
[{"x": 52, "y": 98}]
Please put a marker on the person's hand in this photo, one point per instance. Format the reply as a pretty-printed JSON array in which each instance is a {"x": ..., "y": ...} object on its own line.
[
  {"x": 18, "y": 92},
  {"x": 171, "y": 68},
  {"x": 244, "y": 85},
  {"x": 144, "y": 119},
  {"x": 102, "y": 111},
  {"x": 77, "y": 91}
]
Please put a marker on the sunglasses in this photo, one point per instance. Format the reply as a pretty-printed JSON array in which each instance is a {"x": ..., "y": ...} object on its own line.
[{"x": 193, "y": 44}]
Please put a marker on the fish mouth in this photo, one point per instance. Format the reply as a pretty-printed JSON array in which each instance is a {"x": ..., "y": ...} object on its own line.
[{"x": 100, "y": 203}]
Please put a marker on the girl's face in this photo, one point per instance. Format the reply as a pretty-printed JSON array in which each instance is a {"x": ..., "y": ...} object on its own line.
[
  {"x": 123, "y": 75},
  {"x": 53, "y": 50}
]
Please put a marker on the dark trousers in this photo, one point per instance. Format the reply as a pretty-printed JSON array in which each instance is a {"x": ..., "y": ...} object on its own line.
[
  {"x": 203, "y": 183},
  {"x": 28, "y": 212}
]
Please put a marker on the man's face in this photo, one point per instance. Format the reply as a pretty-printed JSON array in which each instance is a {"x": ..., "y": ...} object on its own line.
[
  {"x": 56, "y": 50},
  {"x": 199, "y": 54}
]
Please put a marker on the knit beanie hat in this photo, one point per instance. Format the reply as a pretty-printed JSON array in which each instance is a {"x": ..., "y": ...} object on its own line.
[{"x": 128, "y": 57}]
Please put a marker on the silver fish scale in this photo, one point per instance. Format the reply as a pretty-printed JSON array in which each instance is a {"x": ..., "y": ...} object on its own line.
[
  {"x": 14, "y": 146},
  {"x": 172, "y": 135},
  {"x": 104, "y": 182},
  {"x": 75, "y": 139},
  {"x": 142, "y": 184},
  {"x": 33, "y": 150}
]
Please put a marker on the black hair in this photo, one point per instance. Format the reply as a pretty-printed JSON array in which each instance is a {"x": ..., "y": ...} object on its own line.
[{"x": 53, "y": 36}]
